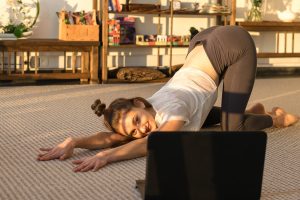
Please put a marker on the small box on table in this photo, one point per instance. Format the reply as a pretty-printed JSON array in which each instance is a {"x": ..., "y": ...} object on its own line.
[{"x": 71, "y": 29}]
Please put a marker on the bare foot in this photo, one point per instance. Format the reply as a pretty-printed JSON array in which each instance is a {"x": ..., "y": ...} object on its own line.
[
  {"x": 282, "y": 118},
  {"x": 257, "y": 108}
]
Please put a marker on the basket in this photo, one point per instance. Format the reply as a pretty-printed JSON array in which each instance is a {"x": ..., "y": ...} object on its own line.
[{"x": 76, "y": 32}]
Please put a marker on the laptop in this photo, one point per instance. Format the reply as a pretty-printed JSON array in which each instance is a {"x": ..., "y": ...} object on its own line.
[{"x": 204, "y": 165}]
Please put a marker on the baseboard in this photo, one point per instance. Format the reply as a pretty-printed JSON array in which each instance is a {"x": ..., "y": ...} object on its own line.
[{"x": 277, "y": 71}]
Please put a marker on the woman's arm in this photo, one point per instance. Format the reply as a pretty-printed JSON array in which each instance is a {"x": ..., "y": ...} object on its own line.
[
  {"x": 138, "y": 148},
  {"x": 99, "y": 140},
  {"x": 134, "y": 149},
  {"x": 65, "y": 149}
]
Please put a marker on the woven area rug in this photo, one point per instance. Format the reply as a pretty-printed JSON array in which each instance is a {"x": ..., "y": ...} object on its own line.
[{"x": 42, "y": 116}]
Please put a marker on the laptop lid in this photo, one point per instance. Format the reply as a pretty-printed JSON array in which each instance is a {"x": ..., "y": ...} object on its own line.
[{"x": 205, "y": 165}]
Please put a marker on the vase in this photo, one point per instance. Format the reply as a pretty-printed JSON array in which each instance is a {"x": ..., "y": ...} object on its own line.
[
  {"x": 11, "y": 36},
  {"x": 286, "y": 16},
  {"x": 26, "y": 35},
  {"x": 254, "y": 14},
  {"x": 7, "y": 36}
]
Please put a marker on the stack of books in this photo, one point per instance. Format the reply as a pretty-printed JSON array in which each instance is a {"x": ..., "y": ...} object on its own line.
[
  {"x": 214, "y": 8},
  {"x": 7, "y": 36},
  {"x": 121, "y": 31},
  {"x": 127, "y": 30},
  {"x": 114, "y": 32}
]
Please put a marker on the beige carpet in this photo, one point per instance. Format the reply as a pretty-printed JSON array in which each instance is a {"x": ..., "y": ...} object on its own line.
[{"x": 41, "y": 116}]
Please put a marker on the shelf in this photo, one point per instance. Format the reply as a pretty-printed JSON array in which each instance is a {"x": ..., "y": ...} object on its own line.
[
  {"x": 46, "y": 45},
  {"x": 167, "y": 12},
  {"x": 277, "y": 27},
  {"x": 159, "y": 12},
  {"x": 277, "y": 55},
  {"x": 135, "y": 12},
  {"x": 270, "y": 26},
  {"x": 115, "y": 80},
  {"x": 135, "y": 72},
  {"x": 147, "y": 46},
  {"x": 44, "y": 76}
]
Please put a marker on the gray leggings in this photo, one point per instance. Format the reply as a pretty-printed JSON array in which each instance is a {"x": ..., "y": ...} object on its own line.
[{"x": 232, "y": 53}]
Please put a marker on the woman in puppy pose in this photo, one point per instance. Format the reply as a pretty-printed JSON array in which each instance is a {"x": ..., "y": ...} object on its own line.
[{"x": 185, "y": 102}]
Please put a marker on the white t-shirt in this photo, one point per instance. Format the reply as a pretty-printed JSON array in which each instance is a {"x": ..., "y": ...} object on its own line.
[{"x": 188, "y": 96}]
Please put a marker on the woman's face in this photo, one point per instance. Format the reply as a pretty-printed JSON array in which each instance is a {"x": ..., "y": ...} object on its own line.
[{"x": 137, "y": 123}]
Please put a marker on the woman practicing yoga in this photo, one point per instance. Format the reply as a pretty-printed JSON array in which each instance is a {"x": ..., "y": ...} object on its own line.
[{"x": 186, "y": 102}]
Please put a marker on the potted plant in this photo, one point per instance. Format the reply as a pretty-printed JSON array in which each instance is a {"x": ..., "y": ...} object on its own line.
[
  {"x": 18, "y": 18},
  {"x": 255, "y": 11}
]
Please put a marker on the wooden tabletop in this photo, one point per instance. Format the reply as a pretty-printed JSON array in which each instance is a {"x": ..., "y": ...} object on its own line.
[
  {"x": 46, "y": 45},
  {"x": 48, "y": 42},
  {"x": 270, "y": 26}
]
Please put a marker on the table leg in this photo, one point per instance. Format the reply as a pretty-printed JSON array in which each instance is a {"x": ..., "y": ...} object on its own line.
[
  {"x": 94, "y": 65},
  {"x": 285, "y": 42},
  {"x": 9, "y": 63},
  {"x": 293, "y": 42},
  {"x": 22, "y": 62},
  {"x": 73, "y": 64},
  {"x": 28, "y": 61},
  {"x": 35, "y": 62},
  {"x": 84, "y": 65},
  {"x": 15, "y": 61},
  {"x": 277, "y": 42},
  {"x": 65, "y": 61},
  {"x": 2, "y": 63},
  {"x": 225, "y": 20}
]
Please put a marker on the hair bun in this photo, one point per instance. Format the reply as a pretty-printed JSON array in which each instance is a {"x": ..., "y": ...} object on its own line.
[
  {"x": 95, "y": 104},
  {"x": 98, "y": 107},
  {"x": 99, "y": 110}
]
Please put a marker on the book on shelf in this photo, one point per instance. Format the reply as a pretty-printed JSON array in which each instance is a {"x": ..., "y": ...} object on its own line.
[
  {"x": 214, "y": 8},
  {"x": 118, "y": 6},
  {"x": 111, "y": 5},
  {"x": 114, "y": 32},
  {"x": 114, "y": 6},
  {"x": 127, "y": 30},
  {"x": 121, "y": 30}
]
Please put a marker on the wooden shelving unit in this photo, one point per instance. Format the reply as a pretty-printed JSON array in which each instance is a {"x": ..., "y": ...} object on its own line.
[
  {"x": 168, "y": 12},
  {"x": 163, "y": 12},
  {"x": 277, "y": 27},
  {"x": 270, "y": 26},
  {"x": 145, "y": 46}
]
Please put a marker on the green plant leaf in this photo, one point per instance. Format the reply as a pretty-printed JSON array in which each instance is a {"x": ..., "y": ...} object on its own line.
[
  {"x": 19, "y": 30},
  {"x": 9, "y": 28}
]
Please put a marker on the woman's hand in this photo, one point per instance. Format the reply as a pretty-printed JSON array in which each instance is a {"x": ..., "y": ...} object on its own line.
[
  {"x": 93, "y": 163},
  {"x": 62, "y": 151}
]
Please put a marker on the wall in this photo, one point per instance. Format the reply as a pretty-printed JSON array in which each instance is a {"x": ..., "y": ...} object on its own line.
[
  {"x": 148, "y": 24},
  {"x": 47, "y": 27},
  {"x": 266, "y": 41}
]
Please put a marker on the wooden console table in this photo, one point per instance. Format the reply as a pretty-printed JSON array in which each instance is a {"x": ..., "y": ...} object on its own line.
[
  {"x": 11, "y": 48},
  {"x": 278, "y": 27}
]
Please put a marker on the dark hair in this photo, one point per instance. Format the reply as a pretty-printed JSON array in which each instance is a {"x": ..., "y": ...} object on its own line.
[{"x": 113, "y": 113}]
